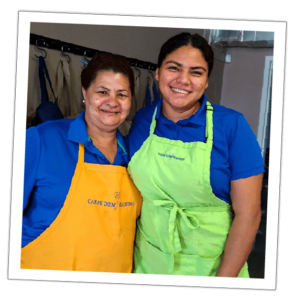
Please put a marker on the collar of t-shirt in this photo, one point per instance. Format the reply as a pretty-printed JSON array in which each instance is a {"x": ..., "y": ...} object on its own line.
[
  {"x": 199, "y": 118},
  {"x": 78, "y": 134}
]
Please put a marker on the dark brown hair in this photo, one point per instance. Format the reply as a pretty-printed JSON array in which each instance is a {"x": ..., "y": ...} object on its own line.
[
  {"x": 187, "y": 39},
  {"x": 107, "y": 62}
]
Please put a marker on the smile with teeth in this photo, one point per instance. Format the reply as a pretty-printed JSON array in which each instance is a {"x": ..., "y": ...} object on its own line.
[
  {"x": 108, "y": 111},
  {"x": 179, "y": 91}
]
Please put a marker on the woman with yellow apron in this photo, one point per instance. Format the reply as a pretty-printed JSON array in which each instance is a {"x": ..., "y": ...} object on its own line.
[
  {"x": 194, "y": 163},
  {"x": 80, "y": 204}
]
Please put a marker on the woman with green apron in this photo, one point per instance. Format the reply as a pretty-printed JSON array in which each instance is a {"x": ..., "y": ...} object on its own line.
[{"x": 196, "y": 165}]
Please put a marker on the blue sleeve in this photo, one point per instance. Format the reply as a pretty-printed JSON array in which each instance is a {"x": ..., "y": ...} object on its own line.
[
  {"x": 244, "y": 151},
  {"x": 140, "y": 129},
  {"x": 32, "y": 157}
]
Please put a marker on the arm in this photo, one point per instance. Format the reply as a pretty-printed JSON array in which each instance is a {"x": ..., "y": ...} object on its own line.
[
  {"x": 32, "y": 156},
  {"x": 246, "y": 205}
]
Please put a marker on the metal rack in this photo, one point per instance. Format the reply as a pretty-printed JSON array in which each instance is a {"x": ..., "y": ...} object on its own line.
[{"x": 65, "y": 47}]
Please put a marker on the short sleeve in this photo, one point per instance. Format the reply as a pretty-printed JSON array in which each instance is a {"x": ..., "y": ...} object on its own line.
[
  {"x": 140, "y": 129},
  {"x": 32, "y": 156},
  {"x": 244, "y": 151}
]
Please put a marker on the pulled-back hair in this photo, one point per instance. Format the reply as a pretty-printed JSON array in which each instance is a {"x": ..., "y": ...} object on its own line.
[
  {"x": 187, "y": 39},
  {"x": 106, "y": 62}
]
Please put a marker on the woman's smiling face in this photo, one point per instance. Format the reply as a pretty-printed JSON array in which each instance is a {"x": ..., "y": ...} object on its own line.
[
  {"x": 183, "y": 78},
  {"x": 107, "y": 101}
]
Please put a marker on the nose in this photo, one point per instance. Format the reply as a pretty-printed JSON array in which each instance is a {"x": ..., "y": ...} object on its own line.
[
  {"x": 184, "y": 77},
  {"x": 113, "y": 101}
]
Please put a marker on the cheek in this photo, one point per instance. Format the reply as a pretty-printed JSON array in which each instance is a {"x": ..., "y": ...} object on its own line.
[
  {"x": 199, "y": 85},
  {"x": 163, "y": 83},
  {"x": 94, "y": 101},
  {"x": 129, "y": 104},
  {"x": 126, "y": 106}
]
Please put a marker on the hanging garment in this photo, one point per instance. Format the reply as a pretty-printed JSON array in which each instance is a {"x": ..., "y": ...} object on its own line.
[
  {"x": 63, "y": 84},
  {"x": 183, "y": 226},
  {"x": 151, "y": 91},
  {"x": 125, "y": 127},
  {"x": 149, "y": 98},
  {"x": 136, "y": 96},
  {"x": 156, "y": 94},
  {"x": 47, "y": 110},
  {"x": 95, "y": 228}
]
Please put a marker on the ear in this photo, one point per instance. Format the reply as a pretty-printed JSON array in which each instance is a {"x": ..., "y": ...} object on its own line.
[
  {"x": 207, "y": 84},
  {"x": 157, "y": 74},
  {"x": 84, "y": 93}
]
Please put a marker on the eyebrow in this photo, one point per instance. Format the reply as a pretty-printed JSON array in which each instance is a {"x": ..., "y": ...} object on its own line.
[
  {"x": 105, "y": 88},
  {"x": 180, "y": 65}
]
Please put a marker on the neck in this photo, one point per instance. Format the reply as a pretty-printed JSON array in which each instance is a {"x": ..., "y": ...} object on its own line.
[
  {"x": 97, "y": 133},
  {"x": 176, "y": 114},
  {"x": 105, "y": 141}
]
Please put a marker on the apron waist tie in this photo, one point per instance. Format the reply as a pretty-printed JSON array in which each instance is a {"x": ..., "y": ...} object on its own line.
[
  {"x": 187, "y": 215},
  {"x": 173, "y": 226}
]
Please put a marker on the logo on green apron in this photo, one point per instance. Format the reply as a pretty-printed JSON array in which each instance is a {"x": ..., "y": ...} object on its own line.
[{"x": 170, "y": 156}]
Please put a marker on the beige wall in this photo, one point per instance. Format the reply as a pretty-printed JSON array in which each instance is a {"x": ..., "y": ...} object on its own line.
[{"x": 242, "y": 82}]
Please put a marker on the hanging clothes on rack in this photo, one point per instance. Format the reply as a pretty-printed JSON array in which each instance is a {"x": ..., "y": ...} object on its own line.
[
  {"x": 156, "y": 94},
  {"x": 63, "y": 86},
  {"x": 136, "y": 96},
  {"x": 47, "y": 110},
  {"x": 152, "y": 96},
  {"x": 125, "y": 127}
]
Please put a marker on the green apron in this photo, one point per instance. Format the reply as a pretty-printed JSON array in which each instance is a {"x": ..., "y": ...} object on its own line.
[{"x": 183, "y": 226}]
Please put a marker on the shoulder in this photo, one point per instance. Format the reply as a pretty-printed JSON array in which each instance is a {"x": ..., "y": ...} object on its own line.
[
  {"x": 229, "y": 121},
  {"x": 140, "y": 129},
  {"x": 50, "y": 127},
  {"x": 142, "y": 120},
  {"x": 244, "y": 152},
  {"x": 144, "y": 115},
  {"x": 221, "y": 112},
  {"x": 49, "y": 134}
]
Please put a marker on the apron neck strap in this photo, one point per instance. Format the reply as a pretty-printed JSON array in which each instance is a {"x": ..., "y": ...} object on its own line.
[
  {"x": 153, "y": 124},
  {"x": 209, "y": 122},
  {"x": 81, "y": 154}
]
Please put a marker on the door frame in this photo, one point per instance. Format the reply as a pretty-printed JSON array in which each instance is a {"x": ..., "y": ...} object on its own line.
[{"x": 265, "y": 105}]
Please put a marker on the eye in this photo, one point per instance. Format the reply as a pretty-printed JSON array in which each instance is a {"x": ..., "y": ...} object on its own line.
[
  {"x": 173, "y": 68},
  {"x": 197, "y": 73},
  {"x": 102, "y": 92},
  {"x": 122, "y": 95}
]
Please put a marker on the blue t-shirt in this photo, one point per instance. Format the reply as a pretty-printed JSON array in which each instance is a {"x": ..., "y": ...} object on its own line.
[
  {"x": 235, "y": 154},
  {"x": 50, "y": 162}
]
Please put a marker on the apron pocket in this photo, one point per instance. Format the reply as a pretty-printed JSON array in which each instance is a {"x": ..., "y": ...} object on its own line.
[
  {"x": 150, "y": 260},
  {"x": 195, "y": 265}
]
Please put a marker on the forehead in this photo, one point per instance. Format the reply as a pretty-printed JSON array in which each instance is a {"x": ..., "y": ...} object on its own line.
[
  {"x": 111, "y": 77},
  {"x": 187, "y": 55}
]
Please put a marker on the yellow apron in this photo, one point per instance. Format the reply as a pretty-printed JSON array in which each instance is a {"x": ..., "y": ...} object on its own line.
[{"x": 95, "y": 228}]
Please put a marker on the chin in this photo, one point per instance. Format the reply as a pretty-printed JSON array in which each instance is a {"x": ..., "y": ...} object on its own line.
[
  {"x": 112, "y": 124},
  {"x": 179, "y": 103}
]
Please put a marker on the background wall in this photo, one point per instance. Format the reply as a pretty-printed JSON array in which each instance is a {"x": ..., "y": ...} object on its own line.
[
  {"x": 243, "y": 80},
  {"x": 237, "y": 85}
]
